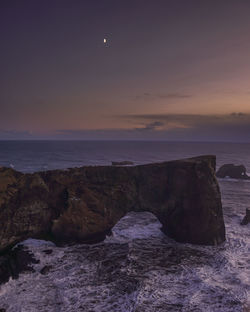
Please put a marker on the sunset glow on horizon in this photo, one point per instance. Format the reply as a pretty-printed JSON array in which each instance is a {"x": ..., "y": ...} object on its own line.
[{"x": 169, "y": 62}]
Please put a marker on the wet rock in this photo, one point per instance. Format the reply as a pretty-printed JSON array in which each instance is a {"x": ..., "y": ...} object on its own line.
[
  {"x": 246, "y": 219},
  {"x": 17, "y": 260},
  {"x": 48, "y": 251},
  {"x": 232, "y": 171},
  {"x": 122, "y": 163},
  {"x": 83, "y": 204},
  {"x": 5, "y": 271},
  {"x": 45, "y": 270},
  {"x": 21, "y": 260}
]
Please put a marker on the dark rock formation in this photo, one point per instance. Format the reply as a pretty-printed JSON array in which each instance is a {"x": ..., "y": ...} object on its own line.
[
  {"x": 5, "y": 271},
  {"x": 48, "y": 251},
  {"x": 14, "y": 262},
  {"x": 246, "y": 219},
  {"x": 83, "y": 204},
  {"x": 232, "y": 171},
  {"x": 45, "y": 270},
  {"x": 122, "y": 163}
]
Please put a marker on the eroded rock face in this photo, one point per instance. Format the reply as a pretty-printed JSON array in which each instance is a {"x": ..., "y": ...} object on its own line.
[
  {"x": 232, "y": 171},
  {"x": 83, "y": 204}
]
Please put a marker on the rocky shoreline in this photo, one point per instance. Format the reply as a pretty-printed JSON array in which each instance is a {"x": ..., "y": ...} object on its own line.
[{"x": 137, "y": 268}]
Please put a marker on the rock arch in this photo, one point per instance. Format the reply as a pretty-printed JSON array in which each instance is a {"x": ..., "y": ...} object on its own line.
[{"x": 82, "y": 204}]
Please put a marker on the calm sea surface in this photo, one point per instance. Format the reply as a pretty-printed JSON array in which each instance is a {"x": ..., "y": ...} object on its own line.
[{"x": 30, "y": 156}]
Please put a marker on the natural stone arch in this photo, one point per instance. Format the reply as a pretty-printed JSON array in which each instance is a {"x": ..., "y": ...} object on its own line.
[{"x": 83, "y": 203}]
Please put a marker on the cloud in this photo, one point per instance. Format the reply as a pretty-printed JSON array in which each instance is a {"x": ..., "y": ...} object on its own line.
[
  {"x": 14, "y": 134},
  {"x": 190, "y": 119},
  {"x": 228, "y": 127},
  {"x": 175, "y": 127},
  {"x": 238, "y": 114},
  {"x": 94, "y": 134},
  {"x": 172, "y": 95},
  {"x": 152, "y": 126},
  {"x": 234, "y": 127}
]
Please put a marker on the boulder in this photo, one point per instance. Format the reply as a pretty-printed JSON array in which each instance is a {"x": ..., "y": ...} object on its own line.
[
  {"x": 46, "y": 269},
  {"x": 246, "y": 219},
  {"x": 232, "y": 171},
  {"x": 83, "y": 204}
]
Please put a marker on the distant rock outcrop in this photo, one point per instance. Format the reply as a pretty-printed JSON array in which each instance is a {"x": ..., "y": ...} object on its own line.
[
  {"x": 232, "y": 171},
  {"x": 122, "y": 163},
  {"x": 246, "y": 219},
  {"x": 83, "y": 204}
]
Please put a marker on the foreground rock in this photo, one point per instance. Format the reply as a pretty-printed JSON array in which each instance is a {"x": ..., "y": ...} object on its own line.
[
  {"x": 246, "y": 219},
  {"x": 232, "y": 171},
  {"x": 83, "y": 204}
]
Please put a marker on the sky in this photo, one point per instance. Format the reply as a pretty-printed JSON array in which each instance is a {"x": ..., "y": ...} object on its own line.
[{"x": 169, "y": 70}]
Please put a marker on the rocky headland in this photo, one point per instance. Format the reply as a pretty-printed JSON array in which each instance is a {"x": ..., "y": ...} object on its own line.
[{"x": 83, "y": 204}]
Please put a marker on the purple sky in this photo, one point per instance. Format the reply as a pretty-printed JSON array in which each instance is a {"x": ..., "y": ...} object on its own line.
[{"x": 173, "y": 70}]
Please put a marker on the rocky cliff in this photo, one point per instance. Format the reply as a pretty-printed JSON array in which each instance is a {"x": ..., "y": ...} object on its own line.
[{"x": 83, "y": 204}]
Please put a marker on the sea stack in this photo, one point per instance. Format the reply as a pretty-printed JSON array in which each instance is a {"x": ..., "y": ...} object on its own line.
[
  {"x": 83, "y": 204},
  {"x": 232, "y": 171}
]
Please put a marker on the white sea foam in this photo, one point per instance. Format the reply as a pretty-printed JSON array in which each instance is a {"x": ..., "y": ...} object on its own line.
[
  {"x": 227, "y": 179},
  {"x": 136, "y": 225},
  {"x": 36, "y": 243}
]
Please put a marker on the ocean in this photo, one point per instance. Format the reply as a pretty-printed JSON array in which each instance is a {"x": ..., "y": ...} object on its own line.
[
  {"x": 137, "y": 269},
  {"x": 30, "y": 156}
]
